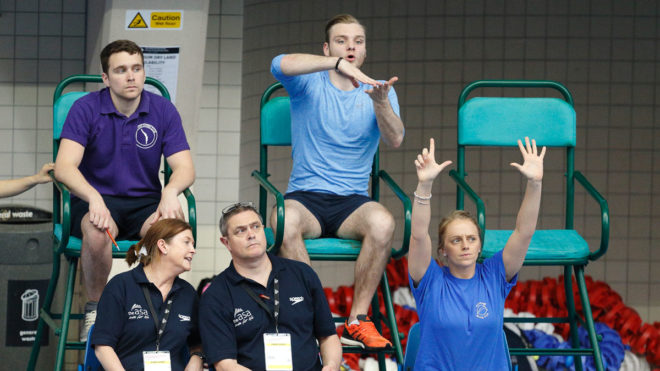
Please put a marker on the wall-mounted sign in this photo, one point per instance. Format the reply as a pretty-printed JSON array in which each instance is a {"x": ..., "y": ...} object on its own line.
[
  {"x": 162, "y": 63},
  {"x": 154, "y": 19}
]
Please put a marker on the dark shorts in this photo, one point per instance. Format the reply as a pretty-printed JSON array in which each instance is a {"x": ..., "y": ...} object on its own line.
[
  {"x": 129, "y": 213},
  {"x": 329, "y": 209}
]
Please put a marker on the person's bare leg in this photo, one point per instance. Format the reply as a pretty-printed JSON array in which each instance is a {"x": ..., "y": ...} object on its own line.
[
  {"x": 374, "y": 225},
  {"x": 147, "y": 224},
  {"x": 95, "y": 257},
  {"x": 299, "y": 223}
]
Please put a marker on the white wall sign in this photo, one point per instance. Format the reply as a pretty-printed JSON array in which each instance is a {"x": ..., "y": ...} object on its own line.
[{"x": 162, "y": 63}]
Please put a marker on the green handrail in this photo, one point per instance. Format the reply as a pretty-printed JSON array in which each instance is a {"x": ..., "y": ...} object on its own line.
[{"x": 604, "y": 215}]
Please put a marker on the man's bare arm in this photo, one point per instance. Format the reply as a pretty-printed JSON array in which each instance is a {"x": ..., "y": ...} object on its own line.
[
  {"x": 390, "y": 125},
  {"x": 300, "y": 64},
  {"x": 183, "y": 176},
  {"x": 66, "y": 171}
]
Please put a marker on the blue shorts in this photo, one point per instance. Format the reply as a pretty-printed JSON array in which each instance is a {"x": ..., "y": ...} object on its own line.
[
  {"x": 329, "y": 209},
  {"x": 129, "y": 213}
]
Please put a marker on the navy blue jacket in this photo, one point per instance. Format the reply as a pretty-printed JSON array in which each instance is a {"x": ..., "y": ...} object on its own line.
[
  {"x": 232, "y": 324},
  {"x": 124, "y": 322}
]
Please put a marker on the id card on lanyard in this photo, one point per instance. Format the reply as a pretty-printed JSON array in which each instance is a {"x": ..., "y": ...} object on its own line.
[
  {"x": 277, "y": 346},
  {"x": 158, "y": 360}
]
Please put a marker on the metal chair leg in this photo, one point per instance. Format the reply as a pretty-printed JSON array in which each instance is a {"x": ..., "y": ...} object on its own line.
[
  {"x": 572, "y": 315},
  {"x": 584, "y": 297}
]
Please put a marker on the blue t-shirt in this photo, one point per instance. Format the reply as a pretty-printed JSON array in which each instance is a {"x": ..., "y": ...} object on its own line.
[
  {"x": 123, "y": 154},
  {"x": 124, "y": 321},
  {"x": 334, "y": 133},
  {"x": 232, "y": 324},
  {"x": 461, "y": 319}
]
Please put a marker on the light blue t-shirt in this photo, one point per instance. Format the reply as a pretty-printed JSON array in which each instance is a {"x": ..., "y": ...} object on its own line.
[
  {"x": 334, "y": 133},
  {"x": 461, "y": 319}
]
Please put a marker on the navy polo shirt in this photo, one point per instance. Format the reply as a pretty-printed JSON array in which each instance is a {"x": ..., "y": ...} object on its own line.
[
  {"x": 122, "y": 154},
  {"x": 124, "y": 321},
  {"x": 232, "y": 324}
]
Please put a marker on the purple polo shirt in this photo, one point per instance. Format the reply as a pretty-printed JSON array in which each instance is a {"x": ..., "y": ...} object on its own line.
[{"x": 122, "y": 154}]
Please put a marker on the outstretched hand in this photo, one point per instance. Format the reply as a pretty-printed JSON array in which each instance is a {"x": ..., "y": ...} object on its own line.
[
  {"x": 379, "y": 93},
  {"x": 427, "y": 168},
  {"x": 532, "y": 167}
]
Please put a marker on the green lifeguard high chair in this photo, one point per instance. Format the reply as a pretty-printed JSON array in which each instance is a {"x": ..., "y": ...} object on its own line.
[
  {"x": 488, "y": 121},
  {"x": 276, "y": 131},
  {"x": 67, "y": 246}
]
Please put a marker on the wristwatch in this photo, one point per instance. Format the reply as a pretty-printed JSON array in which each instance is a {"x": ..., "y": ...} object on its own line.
[{"x": 200, "y": 355}]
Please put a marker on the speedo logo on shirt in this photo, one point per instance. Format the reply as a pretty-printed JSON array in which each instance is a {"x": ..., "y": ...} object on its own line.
[
  {"x": 183, "y": 318},
  {"x": 137, "y": 312},
  {"x": 241, "y": 316},
  {"x": 296, "y": 299}
]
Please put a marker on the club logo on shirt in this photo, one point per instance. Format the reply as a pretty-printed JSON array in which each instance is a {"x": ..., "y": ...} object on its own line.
[
  {"x": 183, "y": 318},
  {"x": 137, "y": 312},
  {"x": 241, "y": 316},
  {"x": 145, "y": 136},
  {"x": 295, "y": 300},
  {"x": 481, "y": 310}
]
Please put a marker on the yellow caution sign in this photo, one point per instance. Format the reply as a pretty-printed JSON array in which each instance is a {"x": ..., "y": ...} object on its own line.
[
  {"x": 138, "y": 22},
  {"x": 153, "y": 20},
  {"x": 165, "y": 19}
]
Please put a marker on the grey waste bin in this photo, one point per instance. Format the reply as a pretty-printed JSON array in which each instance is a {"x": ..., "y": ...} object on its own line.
[{"x": 25, "y": 268}]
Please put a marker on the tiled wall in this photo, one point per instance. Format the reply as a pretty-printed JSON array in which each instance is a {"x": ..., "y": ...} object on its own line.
[
  {"x": 605, "y": 52},
  {"x": 218, "y": 138},
  {"x": 40, "y": 43}
]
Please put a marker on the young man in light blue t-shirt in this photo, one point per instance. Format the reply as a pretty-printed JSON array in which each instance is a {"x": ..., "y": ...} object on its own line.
[{"x": 338, "y": 116}]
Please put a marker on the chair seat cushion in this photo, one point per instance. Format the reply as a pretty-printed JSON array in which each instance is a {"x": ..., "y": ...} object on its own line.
[
  {"x": 75, "y": 243},
  {"x": 547, "y": 246},
  {"x": 326, "y": 248}
]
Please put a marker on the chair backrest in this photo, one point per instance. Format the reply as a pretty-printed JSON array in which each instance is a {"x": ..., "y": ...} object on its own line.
[
  {"x": 500, "y": 121},
  {"x": 275, "y": 130},
  {"x": 412, "y": 344},
  {"x": 90, "y": 363}
]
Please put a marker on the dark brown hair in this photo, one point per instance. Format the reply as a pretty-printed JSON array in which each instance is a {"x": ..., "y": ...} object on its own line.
[
  {"x": 163, "y": 229},
  {"x": 118, "y": 46},
  {"x": 340, "y": 18}
]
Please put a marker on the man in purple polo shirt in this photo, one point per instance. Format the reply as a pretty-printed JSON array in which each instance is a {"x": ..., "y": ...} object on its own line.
[{"x": 109, "y": 157}]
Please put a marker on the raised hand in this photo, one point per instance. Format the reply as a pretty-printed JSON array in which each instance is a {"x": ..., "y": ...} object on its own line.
[
  {"x": 532, "y": 167},
  {"x": 427, "y": 168}
]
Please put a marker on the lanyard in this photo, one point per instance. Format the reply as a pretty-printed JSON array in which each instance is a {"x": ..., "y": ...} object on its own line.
[
  {"x": 159, "y": 329},
  {"x": 276, "y": 308}
]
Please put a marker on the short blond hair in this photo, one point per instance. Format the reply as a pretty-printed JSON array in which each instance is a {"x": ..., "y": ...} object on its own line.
[{"x": 340, "y": 18}]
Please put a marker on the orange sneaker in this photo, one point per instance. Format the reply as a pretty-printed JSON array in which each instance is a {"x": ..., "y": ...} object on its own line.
[{"x": 364, "y": 335}]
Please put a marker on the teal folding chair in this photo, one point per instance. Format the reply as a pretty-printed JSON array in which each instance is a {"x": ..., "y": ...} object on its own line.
[
  {"x": 488, "y": 121},
  {"x": 276, "y": 131},
  {"x": 67, "y": 246},
  {"x": 90, "y": 362}
]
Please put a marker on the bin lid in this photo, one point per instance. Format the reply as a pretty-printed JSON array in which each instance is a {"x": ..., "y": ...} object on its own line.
[{"x": 18, "y": 214}]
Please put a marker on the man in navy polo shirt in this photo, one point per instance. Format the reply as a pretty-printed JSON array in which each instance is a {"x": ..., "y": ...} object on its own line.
[
  {"x": 263, "y": 307},
  {"x": 109, "y": 157}
]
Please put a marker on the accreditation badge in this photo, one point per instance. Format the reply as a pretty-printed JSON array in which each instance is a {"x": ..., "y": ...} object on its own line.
[
  {"x": 278, "y": 351},
  {"x": 157, "y": 361}
]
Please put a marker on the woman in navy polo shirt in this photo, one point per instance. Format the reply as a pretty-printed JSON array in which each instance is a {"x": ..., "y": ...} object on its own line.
[{"x": 134, "y": 328}]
